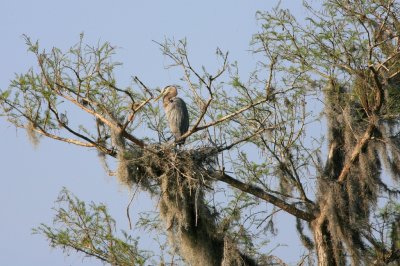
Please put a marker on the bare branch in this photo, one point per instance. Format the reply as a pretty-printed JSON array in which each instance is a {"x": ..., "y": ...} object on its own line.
[
  {"x": 229, "y": 116},
  {"x": 259, "y": 193}
]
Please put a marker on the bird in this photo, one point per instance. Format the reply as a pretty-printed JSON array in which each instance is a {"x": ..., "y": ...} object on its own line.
[{"x": 176, "y": 111}]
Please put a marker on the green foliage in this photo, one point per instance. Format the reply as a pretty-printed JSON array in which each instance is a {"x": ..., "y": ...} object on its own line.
[
  {"x": 82, "y": 78},
  {"x": 91, "y": 231},
  {"x": 260, "y": 134}
]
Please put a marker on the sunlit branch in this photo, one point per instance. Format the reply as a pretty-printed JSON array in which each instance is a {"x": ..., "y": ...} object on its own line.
[
  {"x": 95, "y": 144},
  {"x": 363, "y": 142},
  {"x": 229, "y": 116}
]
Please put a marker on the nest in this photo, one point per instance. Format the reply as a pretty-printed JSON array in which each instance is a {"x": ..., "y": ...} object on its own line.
[
  {"x": 148, "y": 167},
  {"x": 180, "y": 178}
]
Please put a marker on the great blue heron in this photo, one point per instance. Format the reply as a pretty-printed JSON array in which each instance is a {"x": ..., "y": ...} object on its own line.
[{"x": 176, "y": 111}]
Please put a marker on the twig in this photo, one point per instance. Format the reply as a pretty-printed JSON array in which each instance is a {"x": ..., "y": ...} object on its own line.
[
  {"x": 144, "y": 86},
  {"x": 196, "y": 128},
  {"x": 130, "y": 202}
]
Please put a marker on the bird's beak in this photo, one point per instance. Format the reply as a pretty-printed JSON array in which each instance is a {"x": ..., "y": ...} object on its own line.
[{"x": 159, "y": 96}]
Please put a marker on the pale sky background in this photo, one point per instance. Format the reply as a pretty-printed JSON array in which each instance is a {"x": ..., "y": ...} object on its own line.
[{"x": 31, "y": 179}]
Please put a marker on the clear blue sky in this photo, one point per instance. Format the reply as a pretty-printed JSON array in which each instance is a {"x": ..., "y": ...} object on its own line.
[{"x": 32, "y": 178}]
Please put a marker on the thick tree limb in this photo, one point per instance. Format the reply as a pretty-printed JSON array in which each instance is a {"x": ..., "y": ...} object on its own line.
[
  {"x": 135, "y": 140},
  {"x": 356, "y": 152},
  {"x": 260, "y": 193},
  {"x": 370, "y": 129}
]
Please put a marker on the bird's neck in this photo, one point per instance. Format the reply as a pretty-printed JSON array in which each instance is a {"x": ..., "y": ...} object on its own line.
[{"x": 167, "y": 100}]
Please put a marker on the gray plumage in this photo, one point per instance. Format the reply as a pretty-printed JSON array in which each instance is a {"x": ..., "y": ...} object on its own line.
[{"x": 176, "y": 111}]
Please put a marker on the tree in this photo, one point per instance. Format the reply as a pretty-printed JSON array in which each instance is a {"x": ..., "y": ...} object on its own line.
[{"x": 344, "y": 58}]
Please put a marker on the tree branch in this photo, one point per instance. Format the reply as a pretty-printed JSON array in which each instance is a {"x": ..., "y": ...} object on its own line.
[
  {"x": 260, "y": 193},
  {"x": 356, "y": 152},
  {"x": 213, "y": 123}
]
